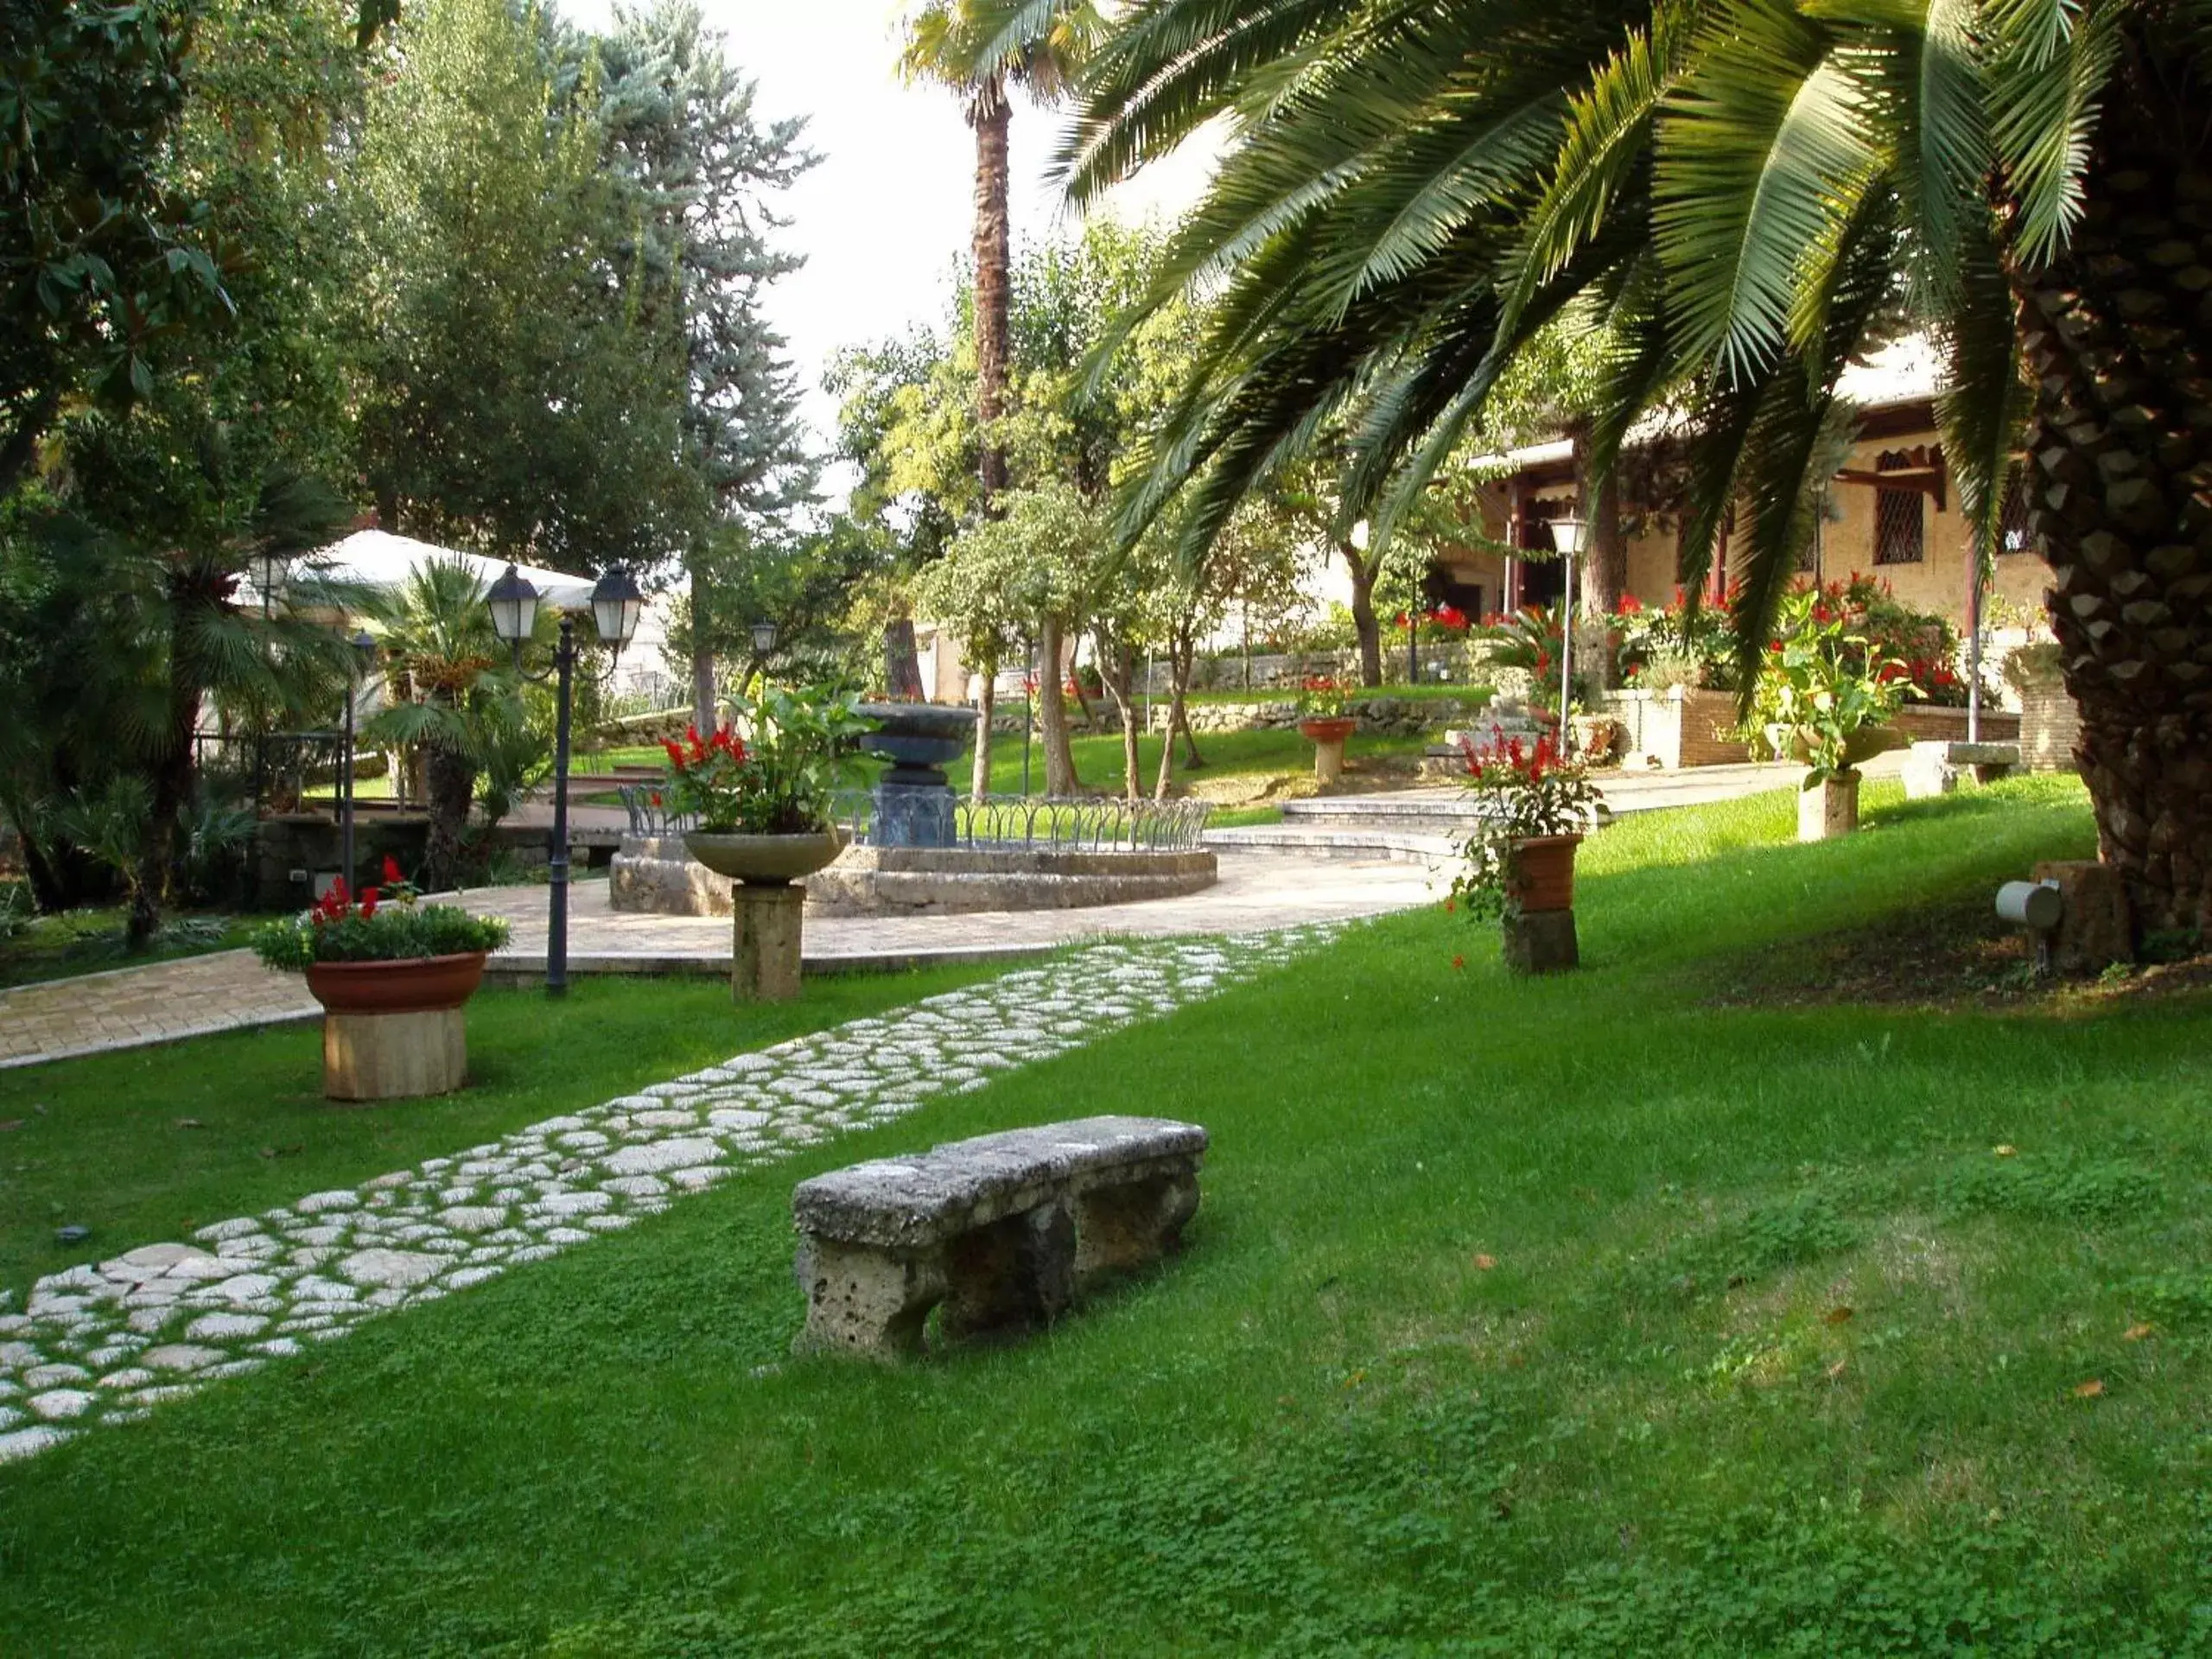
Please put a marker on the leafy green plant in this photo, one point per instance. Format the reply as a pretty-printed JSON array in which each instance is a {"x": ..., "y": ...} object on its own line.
[
  {"x": 1323, "y": 696},
  {"x": 780, "y": 777},
  {"x": 1821, "y": 685},
  {"x": 340, "y": 929}
]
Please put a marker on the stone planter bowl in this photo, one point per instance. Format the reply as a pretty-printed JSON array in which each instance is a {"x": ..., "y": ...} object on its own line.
[
  {"x": 1860, "y": 747},
  {"x": 765, "y": 861}
]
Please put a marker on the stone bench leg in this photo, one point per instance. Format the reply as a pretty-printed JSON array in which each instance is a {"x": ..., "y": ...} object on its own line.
[
  {"x": 1133, "y": 1224},
  {"x": 1013, "y": 1274},
  {"x": 866, "y": 1302}
]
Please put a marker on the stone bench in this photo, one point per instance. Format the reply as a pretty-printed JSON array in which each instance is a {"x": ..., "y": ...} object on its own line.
[
  {"x": 1003, "y": 1231},
  {"x": 1932, "y": 769}
]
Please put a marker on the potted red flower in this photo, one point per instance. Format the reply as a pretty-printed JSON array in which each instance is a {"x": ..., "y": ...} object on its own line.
[
  {"x": 1325, "y": 720},
  {"x": 392, "y": 975},
  {"x": 1520, "y": 860}
]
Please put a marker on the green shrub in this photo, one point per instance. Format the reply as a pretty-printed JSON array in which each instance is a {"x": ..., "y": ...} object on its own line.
[{"x": 338, "y": 930}]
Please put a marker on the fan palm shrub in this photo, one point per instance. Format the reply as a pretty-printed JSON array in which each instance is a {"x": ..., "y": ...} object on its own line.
[{"x": 1743, "y": 196}]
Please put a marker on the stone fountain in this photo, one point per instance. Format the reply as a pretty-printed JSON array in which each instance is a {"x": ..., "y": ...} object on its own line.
[{"x": 914, "y": 801}]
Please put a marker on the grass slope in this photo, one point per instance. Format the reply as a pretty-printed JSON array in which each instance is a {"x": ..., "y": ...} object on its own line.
[
  {"x": 146, "y": 1144},
  {"x": 1581, "y": 1316}
]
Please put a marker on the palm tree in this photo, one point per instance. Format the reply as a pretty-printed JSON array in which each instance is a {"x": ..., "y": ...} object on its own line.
[
  {"x": 448, "y": 692},
  {"x": 1745, "y": 194},
  {"x": 979, "y": 49}
]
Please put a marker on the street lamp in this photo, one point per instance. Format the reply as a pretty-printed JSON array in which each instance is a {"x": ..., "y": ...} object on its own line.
[
  {"x": 1567, "y": 537},
  {"x": 764, "y": 636},
  {"x": 359, "y": 658},
  {"x": 616, "y": 606}
]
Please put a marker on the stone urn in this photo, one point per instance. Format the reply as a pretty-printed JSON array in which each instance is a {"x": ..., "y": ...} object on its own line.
[
  {"x": 767, "y": 905},
  {"x": 1829, "y": 808},
  {"x": 1327, "y": 733},
  {"x": 915, "y": 802},
  {"x": 394, "y": 1030}
]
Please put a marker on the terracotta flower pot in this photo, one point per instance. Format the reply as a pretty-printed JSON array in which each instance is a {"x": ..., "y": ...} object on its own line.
[
  {"x": 765, "y": 861},
  {"x": 1543, "y": 875},
  {"x": 1327, "y": 729},
  {"x": 419, "y": 985}
]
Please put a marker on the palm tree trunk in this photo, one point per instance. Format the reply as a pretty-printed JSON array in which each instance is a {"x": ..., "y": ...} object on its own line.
[
  {"x": 451, "y": 782},
  {"x": 991, "y": 115},
  {"x": 2121, "y": 439}
]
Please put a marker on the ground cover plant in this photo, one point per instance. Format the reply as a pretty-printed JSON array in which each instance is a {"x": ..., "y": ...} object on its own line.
[
  {"x": 1590, "y": 1315},
  {"x": 146, "y": 1144},
  {"x": 95, "y": 938}
]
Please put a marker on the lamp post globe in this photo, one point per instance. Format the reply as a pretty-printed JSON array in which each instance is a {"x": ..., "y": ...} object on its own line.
[
  {"x": 616, "y": 604},
  {"x": 513, "y": 602},
  {"x": 1567, "y": 534},
  {"x": 763, "y": 638}
]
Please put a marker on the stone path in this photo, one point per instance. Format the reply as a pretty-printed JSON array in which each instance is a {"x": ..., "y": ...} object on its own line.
[
  {"x": 1254, "y": 892},
  {"x": 230, "y": 989},
  {"x": 109, "y": 1343},
  {"x": 128, "y": 1007}
]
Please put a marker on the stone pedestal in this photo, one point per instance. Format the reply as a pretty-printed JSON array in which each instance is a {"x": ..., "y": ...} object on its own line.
[
  {"x": 1328, "y": 760},
  {"x": 767, "y": 925},
  {"x": 915, "y": 808},
  {"x": 393, "y": 1056},
  {"x": 1542, "y": 942},
  {"x": 2096, "y": 927},
  {"x": 1829, "y": 809}
]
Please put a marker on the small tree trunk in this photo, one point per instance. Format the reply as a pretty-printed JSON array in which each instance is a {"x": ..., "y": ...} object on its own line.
[
  {"x": 1052, "y": 713},
  {"x": 1362, "y": 614},
  {"x": 902, "y": 662},
  {"x": 703, "y": 701},
  {"x": 1120, "y": 665},
  {"x": 979, "y": 777},
  {"x": 1182, "y": 652}
]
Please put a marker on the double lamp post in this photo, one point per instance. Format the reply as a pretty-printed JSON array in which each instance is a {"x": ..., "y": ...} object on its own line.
[{"x": 615, "y": 607}]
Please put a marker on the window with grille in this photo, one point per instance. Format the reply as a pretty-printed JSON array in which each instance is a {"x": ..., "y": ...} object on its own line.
[
  {"x": 1900, "y": 528},
  {"x": 2014, "y": 534}
]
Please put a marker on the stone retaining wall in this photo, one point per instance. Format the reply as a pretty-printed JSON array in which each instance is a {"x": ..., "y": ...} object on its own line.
[{"x": 653, "y": 873}]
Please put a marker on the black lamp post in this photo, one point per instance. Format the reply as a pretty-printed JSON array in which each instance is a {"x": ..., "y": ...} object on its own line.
[
  {"x": 616, "y": 606},
  {"x": 1567, "y": 537},
  {"x": 363, "y": 653}
]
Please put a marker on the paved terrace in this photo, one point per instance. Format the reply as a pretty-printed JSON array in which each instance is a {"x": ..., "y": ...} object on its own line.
[{"x": 166, "y": 1001}]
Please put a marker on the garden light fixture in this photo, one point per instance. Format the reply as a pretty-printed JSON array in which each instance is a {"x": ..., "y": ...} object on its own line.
[
  {"x": 764, "y": 636},
  {"x": 514, "y": 608},
  {"x": 1567, "y": 534},
  {"x": 616, "y": 605}
]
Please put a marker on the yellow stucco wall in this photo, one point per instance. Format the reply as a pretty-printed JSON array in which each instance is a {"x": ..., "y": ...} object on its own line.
[{"x": 1937, "y": 583}]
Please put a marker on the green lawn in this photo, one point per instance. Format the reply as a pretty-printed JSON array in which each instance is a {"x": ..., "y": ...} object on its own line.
[
  {"x": 1584, "y": 1316},
  {"x": 146, "y": 1144}
]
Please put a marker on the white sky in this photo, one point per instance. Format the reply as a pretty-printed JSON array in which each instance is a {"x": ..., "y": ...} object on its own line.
[{"x": 884, "y": 219}]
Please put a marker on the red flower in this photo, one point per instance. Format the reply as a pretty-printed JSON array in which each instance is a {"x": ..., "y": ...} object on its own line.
[
  {"x": 656, "y": 798},
  {"x": 1449, "y": 616},
  {"x": 675, "y": 755},
  {"x": 369, "y": 896},
  {"x": 1451, "y": 905},
  {"x": 393, "y": 875},
  {"x": 1458, "y": 962},
  {"x": 1627, "y": 604}
]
